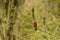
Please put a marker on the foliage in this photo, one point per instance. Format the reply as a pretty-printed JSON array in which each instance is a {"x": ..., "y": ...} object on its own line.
[{"x": 23, "y": 28}]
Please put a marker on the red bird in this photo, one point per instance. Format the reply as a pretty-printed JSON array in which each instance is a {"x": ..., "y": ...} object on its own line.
[{"x": 35, "y": 25}]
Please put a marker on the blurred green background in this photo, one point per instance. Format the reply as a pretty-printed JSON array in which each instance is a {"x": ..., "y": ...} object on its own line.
[{"x": 22, "y": 28}]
